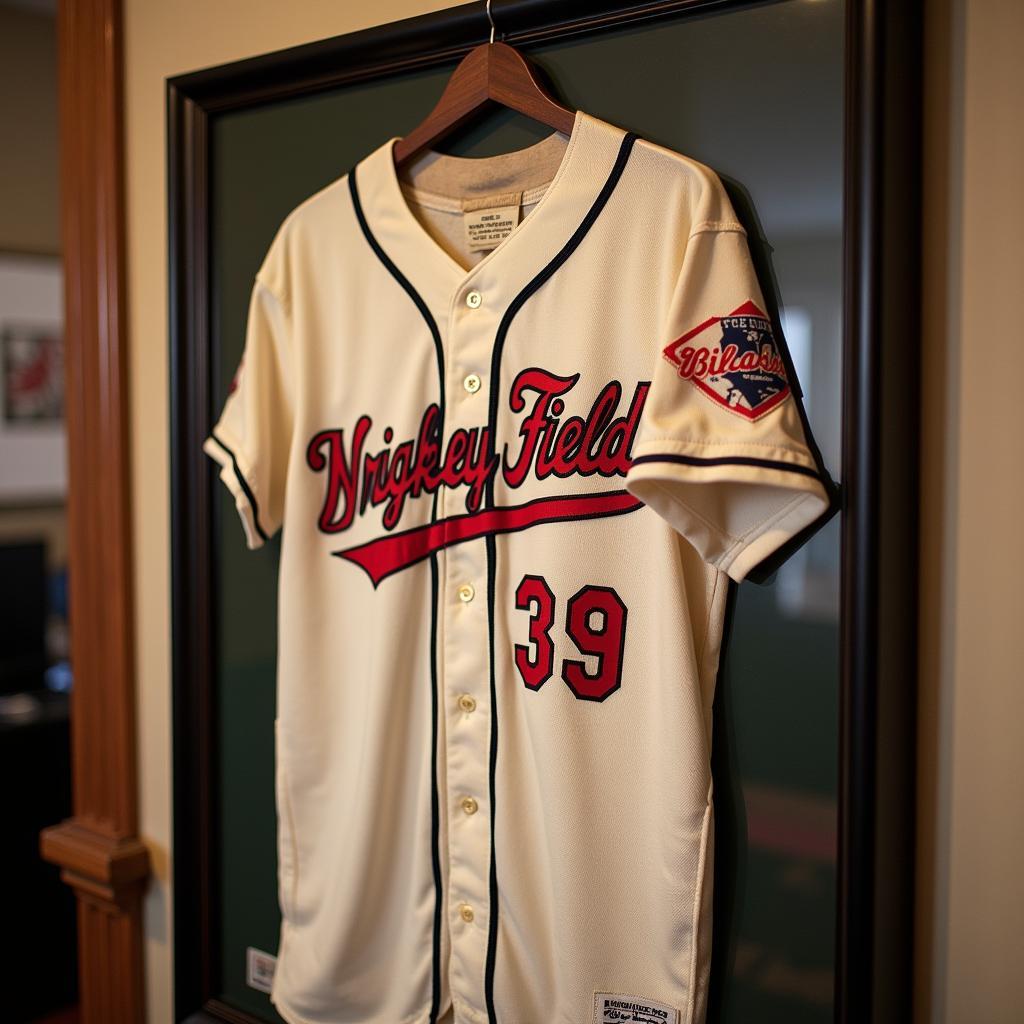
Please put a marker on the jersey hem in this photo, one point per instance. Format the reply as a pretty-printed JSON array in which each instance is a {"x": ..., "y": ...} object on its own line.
[{"x": 293, "y": 1017}]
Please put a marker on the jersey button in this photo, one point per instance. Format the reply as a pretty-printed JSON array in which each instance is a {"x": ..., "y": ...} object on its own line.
[
  {"x": 467, "y": 703},
  {"x": 466, "y": 913},
  {"x": 466, "y": 593},
  {"x": 473, "y": 300},
  {"x": 472, "y": 383},
  {"x": 469, "y": 805}
]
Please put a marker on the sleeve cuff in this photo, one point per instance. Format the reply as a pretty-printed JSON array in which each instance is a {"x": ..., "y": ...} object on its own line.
[
  {"x": 241, "y": 490},
  {"x": 753, "y": 549},
  {"x": 747, "y": 506}
]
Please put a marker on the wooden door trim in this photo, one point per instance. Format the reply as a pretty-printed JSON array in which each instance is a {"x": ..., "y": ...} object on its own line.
[{"x": 98, "y": 850}]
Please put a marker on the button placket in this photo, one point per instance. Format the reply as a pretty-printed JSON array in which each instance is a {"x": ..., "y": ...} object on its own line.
[{"x": 467, "y": 669}]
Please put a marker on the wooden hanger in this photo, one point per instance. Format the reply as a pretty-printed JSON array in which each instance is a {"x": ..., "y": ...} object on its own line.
[{"x": 490, "y": 73}]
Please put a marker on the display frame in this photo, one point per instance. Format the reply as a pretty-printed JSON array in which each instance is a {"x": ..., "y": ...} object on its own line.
[{"x": 879, "y": 491}]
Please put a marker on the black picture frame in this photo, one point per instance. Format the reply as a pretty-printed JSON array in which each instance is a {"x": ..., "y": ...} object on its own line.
[{"x": 879, "y": 493}]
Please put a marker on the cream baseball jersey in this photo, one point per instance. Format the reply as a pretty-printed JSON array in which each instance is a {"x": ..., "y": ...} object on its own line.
[{"x": 520, "y": 420}]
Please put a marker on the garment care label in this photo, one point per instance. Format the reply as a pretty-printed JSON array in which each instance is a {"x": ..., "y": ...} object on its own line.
[
  {"x": 259, "y": 969},
  {"x": 490, "y": 219},
  {"x": 612, "y": 1008}
]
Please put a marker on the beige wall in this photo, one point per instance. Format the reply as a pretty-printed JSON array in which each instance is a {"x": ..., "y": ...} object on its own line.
[
  {"x": 971, "y": 907},
  {"x": 972, "y": 647},
  {"x": 161, "y": 40}
]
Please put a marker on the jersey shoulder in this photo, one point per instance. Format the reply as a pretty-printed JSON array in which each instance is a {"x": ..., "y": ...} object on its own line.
[
  {"x": 688, "y": 184},
  {"x": 302, "y": 240}
]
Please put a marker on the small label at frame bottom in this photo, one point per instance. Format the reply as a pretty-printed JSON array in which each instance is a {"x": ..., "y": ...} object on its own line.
[{"x": 259, "y": 969}]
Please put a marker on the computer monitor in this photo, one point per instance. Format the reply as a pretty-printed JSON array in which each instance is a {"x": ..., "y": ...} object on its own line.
[{"x": 23, "y": 614}]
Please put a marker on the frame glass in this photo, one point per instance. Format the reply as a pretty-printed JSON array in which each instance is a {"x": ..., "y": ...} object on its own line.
[{"x": 764, "y": 93}]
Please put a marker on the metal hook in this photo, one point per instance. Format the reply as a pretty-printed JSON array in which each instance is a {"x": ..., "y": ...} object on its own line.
[{"x": 490, "y": 19}]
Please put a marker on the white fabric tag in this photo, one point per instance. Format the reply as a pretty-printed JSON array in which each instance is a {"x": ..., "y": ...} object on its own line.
[
  {"x": 259, "y": 969},
  {"x": 615, "y": 1008},
  {"x": 489, "y": 220}
]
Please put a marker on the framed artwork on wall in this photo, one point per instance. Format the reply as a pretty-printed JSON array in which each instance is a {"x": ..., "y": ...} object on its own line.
[{"x": 33, "y": 459}]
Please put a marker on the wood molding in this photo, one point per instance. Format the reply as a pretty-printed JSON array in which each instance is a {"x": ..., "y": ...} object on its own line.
[
  {"x": 98, "y": 851},
  {"x": 108, "y": 869}
]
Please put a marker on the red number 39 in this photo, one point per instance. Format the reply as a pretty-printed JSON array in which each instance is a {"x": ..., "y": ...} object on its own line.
[{"x": 595, "y": 621}]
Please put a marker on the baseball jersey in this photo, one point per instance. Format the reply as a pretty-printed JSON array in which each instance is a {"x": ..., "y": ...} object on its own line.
[{"x": 520, "y": 421}]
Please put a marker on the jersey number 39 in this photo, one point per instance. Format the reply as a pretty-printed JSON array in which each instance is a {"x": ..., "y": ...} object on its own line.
[{"x": 595, "y": 621}]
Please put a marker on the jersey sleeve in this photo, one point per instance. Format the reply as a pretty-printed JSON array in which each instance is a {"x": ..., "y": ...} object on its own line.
[
  {"x": 721, "y": 451},
  {"x": 252, "y": 437}
]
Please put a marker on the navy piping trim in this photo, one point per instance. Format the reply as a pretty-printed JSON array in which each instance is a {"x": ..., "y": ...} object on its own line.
[
  {"x": 625, "y": 148},
  {"x": 246, "y": 489},
  {"x": 492, "y": 765},
  {"x": 730, "y": 460},
  {"x": 557, "y": 261},
  {"x": 435, "y": 852}
]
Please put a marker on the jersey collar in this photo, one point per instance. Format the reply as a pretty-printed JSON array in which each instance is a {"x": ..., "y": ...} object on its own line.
[{"x": 586, "y": 163}]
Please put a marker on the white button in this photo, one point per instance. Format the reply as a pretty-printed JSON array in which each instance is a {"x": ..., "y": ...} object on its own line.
[
  {"x": 472, "y": 383},
  {"x": 473, "y": 300},
  {"x": 466, "y": 593},
  {"x": 466, "y": 703},
  {"x": 466, "y": 913},
  {"x": 469, "y": 805}
]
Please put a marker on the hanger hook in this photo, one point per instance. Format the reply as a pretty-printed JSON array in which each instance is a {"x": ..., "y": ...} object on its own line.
[{"x": 490, "y": 19}]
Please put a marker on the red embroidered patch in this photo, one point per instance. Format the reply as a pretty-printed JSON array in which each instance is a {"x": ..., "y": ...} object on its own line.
[
  {"x": 734, "y": 360},
  {"x": 234, "y": 380}
]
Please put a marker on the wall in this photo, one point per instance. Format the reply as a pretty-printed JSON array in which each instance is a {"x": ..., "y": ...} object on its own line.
[
  {"x": 970, "y": 913},
  {"x": 29, "y": 200},
  {"x": 971, "y": 825},
  {"x": 162, "y": 40}
]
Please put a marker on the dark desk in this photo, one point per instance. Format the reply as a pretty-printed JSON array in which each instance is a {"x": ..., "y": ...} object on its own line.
[{"x": 38, "y": 946}]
